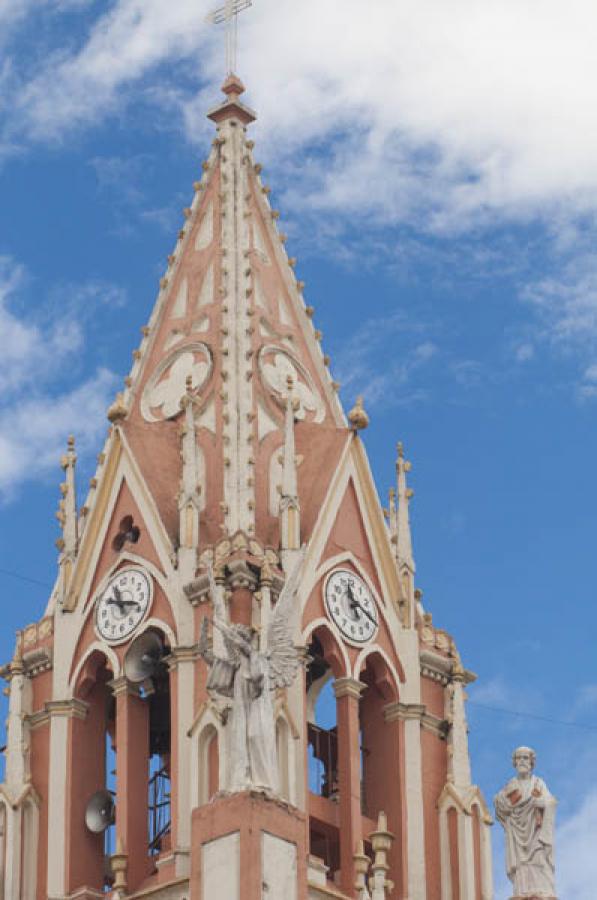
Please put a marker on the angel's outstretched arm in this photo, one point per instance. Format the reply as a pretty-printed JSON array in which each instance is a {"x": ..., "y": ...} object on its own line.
[
  {"x": 203, "y": 646},
  {"x": 216, "y": 598}
]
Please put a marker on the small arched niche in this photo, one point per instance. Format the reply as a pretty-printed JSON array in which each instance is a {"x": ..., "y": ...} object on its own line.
[{"x": 209, "y": 764}]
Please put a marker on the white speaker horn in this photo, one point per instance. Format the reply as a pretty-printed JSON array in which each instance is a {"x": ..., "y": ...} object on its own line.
[
  {"x": 143, "y": 657},
  {"x": 99, "y": 813}
]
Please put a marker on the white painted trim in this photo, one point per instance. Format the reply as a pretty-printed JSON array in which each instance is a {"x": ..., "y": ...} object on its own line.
[
  {"x": 185, "y": 692},
  {"x": 369, "y": 651},
  {"x": 207, "y": 719},
  {"x": 415, "y": 825},
  {"x": 318, "y": 623},
  {"x": 30, "y": 824},
  {"x": 444, "y": 850},
  {"x": 106, "y": 651},
  {"x": 57, "y": 804},
  {"x": 152, "y": 622}
]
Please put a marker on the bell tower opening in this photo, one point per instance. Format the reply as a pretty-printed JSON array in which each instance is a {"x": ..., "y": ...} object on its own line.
[
  {"x": 322, "y": 759},
  {"x": 92, "y": 784},
  {"x": 159, "y": 805}
]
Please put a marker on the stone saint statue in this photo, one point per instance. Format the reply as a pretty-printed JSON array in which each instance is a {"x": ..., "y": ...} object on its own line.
[
  {"x": 526, "y": 809},
  {"x": 248, "y": 676}
]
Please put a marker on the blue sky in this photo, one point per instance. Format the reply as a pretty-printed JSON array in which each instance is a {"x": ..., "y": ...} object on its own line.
[{"x": 436, "y": 168}]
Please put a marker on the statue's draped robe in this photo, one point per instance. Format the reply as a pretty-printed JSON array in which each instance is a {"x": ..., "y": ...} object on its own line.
[
  {"x": 529, "y": 836},
  {"x": 253, "y": 739}
]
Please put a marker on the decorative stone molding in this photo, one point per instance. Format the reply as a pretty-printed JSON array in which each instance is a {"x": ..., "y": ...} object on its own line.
[
  {"x": 37, "y": 661},
  {"x": 276, "y": 366},
  {"x": 348, "y": 687},
  {"x": 122, "y": 685},
  {"x": 234, "y": 570},
  {"x": 70, "y": 709},
  {"x": 167, "y": 384},
  {"x": 401, "y": 711},
  {"x": 181, "y": 655}
]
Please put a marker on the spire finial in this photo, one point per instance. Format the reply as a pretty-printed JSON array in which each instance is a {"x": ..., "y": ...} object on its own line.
[
  {"x": 229, "y": 13},
  {"x": 357, "y": 416},
  {"x": 404, "y": 550}
]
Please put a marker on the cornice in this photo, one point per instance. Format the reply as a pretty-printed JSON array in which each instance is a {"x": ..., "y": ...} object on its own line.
[
  {"x": 395, "y": 712},
  {"x": 70, "y": 709}
]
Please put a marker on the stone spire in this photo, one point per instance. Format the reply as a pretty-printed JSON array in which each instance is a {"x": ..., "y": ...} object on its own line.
[
  {"x": 231, "y": 316},
  {"x": 17, "y": 740},
  {"x": 459, "y": 765},
  {"x": 190, "y": 486},
  {"x": 404, "y": 549},
  {"x": 68, "y": 544}
]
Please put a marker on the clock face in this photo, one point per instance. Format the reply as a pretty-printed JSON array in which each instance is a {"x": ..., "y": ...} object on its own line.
[
  {"x": 350, "y": 605},
  {"x": 123, "y": 605}
]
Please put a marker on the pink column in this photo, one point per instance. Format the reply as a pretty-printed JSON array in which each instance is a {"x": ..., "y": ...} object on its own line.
[
  {"x": 132, "y": 779},
  {"x": 348, "y": 692}
]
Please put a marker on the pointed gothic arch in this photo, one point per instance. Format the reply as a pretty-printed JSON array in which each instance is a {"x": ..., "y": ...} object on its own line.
[{"x": 208, "y": 763}]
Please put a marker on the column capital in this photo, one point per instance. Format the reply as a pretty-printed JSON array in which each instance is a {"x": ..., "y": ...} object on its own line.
[
  {"x": 395, "y": 711},
  {"x": 74, "y": 708},
  {"x": 348, "y": 687},
  {"x": 181, "y": 655},
  {"x": 122, "y": 686}
]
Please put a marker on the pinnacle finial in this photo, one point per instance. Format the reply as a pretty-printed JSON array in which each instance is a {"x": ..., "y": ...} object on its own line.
[
  {"x": 400, "y": 449},
  {"x": 357, "y": 416},
  {"x": 118, "y": 410}
]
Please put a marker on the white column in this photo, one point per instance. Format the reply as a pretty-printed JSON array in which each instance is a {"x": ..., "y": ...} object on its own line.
[
  {"x": 486, "y": 861},
  {"x": 445, "y": 861},
  {"x": 185, "y": 683},
  {"x": 466, "y": 856},
  {"x": 14, "y": 855},
  {"x": 415, "y": 828},
  {"x": 57, "y": 805}
]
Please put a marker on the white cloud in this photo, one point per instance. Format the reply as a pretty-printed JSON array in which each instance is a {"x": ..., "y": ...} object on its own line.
[
  {"x": 33, "y": 432},
  {"x": 382, "y": 359},
  {"x": 576, "y": 860},
  {"x": 36, "y": 413},
  {"x": 454, "y": 110},
  {"x": 524, "y": 352}
]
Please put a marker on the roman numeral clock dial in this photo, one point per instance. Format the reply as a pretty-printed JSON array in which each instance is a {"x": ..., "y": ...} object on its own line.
[
  {"x": 123, "y": 605},
  {"x": 350, "y": 605}
]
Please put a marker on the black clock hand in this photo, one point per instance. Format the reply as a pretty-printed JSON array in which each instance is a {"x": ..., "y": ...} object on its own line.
[
  {"x": 367, "y": 613},
  {"x": 130, "y": 603}
]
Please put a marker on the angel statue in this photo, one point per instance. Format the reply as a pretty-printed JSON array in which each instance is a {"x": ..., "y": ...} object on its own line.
[{"x": 248, "y": 676}]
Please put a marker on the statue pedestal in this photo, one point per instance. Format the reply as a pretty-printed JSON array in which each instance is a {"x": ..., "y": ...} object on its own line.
[
  {"x": 248, "y": 846},
  {"x": 534, "y": 897}
]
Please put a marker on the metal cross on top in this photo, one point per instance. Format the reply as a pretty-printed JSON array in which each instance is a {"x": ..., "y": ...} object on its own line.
[{"x": 229, "y": 13}]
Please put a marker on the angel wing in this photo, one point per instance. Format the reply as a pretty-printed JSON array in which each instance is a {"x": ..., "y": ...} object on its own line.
[{"x": 283, "y": 658}]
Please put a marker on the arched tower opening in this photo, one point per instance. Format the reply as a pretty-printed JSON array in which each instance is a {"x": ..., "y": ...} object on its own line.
[
  {"x": 381, "y": 754},
  {"x": 323, "y": 776},
  {"x": 92, "y": 732}
]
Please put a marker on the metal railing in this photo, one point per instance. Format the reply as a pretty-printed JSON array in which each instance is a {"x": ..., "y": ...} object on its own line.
[{"x": 159, "y": 809}]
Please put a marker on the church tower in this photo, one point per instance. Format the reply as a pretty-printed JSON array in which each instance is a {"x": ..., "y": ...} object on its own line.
[{"x": 235, "y": 691}]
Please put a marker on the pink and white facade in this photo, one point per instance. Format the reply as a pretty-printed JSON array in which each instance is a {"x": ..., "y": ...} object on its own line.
[{"x": 229, "y": 446}]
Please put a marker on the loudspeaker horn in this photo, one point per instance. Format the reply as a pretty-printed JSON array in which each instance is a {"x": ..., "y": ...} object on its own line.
[
  {"x": 143, "y": 657},
  {"x": 99, "y": 813}
]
